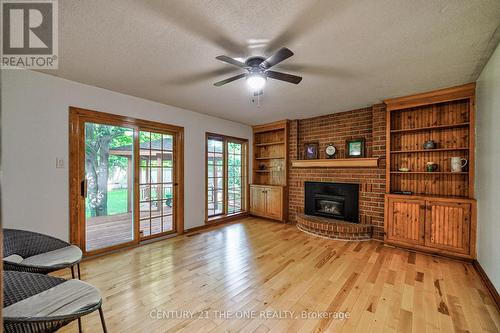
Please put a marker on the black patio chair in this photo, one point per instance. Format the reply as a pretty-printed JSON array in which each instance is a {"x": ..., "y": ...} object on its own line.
[
  {"x": 28, "y": 251},
  {"x": 38, "y": 303}
]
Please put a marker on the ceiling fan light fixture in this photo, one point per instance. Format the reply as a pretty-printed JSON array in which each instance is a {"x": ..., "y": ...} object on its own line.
[{"x": 256, "y": 81}]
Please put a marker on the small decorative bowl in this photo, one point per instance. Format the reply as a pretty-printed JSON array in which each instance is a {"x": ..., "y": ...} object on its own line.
[
  {"x": 430, "y": 144},
  {"x": 404, "y": 169}
]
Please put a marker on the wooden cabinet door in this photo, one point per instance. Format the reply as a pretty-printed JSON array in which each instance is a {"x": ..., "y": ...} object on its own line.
[
  {"x": 405, "y": 221},
  {"x": 274, "y": 203},
  {"x": 448, "y": 226},
  {"x": 257, "y": 200}
]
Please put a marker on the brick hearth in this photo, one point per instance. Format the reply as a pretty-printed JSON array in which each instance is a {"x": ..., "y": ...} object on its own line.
[
  {"x": 368, "y": 123},
  {"x": 334, "y": 229}
]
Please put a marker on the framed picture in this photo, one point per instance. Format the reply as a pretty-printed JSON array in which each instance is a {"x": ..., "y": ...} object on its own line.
[
  {"x": 355, "y": 148},
  {"x": 311, "y": 150}
]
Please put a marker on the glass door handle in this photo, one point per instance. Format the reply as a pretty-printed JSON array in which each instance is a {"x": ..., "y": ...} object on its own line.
[{"x": 83, "y": 188}]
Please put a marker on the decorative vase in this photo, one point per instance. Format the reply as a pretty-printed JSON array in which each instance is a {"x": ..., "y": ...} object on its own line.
[
  {"x": 430, "y": 144},
  {"x": 458, "y": 164},
  {"x": 431, "y": 167}
]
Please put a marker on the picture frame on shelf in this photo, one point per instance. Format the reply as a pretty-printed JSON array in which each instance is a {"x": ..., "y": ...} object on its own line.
[
  {"x": 311, "y": 150},
  {"x": 355, "y": 148}
]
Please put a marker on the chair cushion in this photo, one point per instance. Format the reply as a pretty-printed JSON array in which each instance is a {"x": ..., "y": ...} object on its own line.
[
  {"x": 14, "y": 258},
  {"x": 67, "y": 298},
  {"x": 64, "y": 256}
]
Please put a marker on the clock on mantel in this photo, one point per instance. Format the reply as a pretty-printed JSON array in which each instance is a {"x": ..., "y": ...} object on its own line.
[{"x": 330, "y": 151}]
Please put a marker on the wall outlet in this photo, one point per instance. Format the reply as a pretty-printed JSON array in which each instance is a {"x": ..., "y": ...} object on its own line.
[{"x": 59, "y": 163}]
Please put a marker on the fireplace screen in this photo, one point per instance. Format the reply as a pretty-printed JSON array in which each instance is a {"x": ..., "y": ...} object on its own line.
[
  {"x": 332, "y": 200},
  {"x": 329, "y": 205}
]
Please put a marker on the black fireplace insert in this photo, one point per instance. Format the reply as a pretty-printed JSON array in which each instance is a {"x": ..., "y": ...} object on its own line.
[{"x": 334, "y": 200}]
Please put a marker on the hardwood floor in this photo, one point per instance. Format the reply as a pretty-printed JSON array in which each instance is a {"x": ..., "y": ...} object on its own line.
[{"x": 256, "y": 265}]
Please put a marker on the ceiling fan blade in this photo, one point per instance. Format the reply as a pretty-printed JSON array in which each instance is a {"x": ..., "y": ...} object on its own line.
[
  {"x": 231, "y": 79},
  {"x": 284, "y": 77},
  {"x": 231, "y": 61},
  {"x": 276, "y": 58}
]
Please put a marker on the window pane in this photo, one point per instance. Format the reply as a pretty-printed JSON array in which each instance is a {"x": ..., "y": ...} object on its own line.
[
  {"x": 167, "y": 223},
  {"x": 167, "y": 192},
  {"x": 156, "y": 225},
  {"x": 144, "y": 192},
  {"x": 218, "y": 146},
  {"x": 144, "y": 140},
  {"x": 167, "y": 207},
  {"x": 167, "y": 175},
  {"x": 168, "y": 142},
  {"x": 154, "y": 175},
  {"x": 155, "y": 208},
  {"x": 144, "y": 175}
]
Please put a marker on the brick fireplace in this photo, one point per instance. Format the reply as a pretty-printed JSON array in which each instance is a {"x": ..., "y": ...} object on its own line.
[{"x": 368, "y": 123}]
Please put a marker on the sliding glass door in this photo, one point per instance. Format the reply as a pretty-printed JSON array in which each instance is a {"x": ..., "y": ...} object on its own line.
[
  {"x": 126, "y": 180},
  {"x": 226, "y": 175},
  {"x": 156, "y": 183},
  {"x": 215, "y": 176},
  {"x": 236, "y": 177},
  {"x": 108, "y": 186}
]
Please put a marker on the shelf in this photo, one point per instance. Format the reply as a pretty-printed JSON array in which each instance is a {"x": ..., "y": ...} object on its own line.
[
  {"x": 431, "y": 173},
  {"x": 269, "y": 143},
  {"x": 270, "y": 158},
  {"x": 426, "y": 150},
  {"x": 430, "y": 128},
  {"x": 431, "y": 196},
  {"x": 337, "y": 163}
]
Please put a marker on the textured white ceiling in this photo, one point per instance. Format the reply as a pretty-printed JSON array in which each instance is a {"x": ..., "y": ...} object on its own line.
[{"x": 350, "y": 53}]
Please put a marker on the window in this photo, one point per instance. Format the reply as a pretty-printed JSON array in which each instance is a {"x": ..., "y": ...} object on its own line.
[{"x": 226, "y": 175}]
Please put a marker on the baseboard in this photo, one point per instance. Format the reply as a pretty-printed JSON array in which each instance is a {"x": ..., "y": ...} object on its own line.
[
  {"x": 216, "y": 223},
  {"x": 430, "y": 251},
  {"x": 487, "y": 282}
]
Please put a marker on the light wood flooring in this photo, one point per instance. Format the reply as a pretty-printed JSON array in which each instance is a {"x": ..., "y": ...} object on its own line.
[{"x": 256, "y": 265}]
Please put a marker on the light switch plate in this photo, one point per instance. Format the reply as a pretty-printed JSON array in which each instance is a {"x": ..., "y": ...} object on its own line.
[{"x": 59, "y": 163}]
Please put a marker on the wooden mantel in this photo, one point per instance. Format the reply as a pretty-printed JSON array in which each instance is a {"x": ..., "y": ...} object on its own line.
[{"x": 370, "y": 162}]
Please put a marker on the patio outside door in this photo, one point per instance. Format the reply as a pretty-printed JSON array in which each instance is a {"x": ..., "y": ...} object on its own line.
[
  {"x": 156, "y": 183},
  {"x": 126, "y": 180},
  {"x": 108, "y": 186}
]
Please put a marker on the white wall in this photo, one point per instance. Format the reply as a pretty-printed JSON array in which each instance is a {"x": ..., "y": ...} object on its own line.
[
  {"x": 35, "y": 132},
  {"x": 488, "y": 167}
]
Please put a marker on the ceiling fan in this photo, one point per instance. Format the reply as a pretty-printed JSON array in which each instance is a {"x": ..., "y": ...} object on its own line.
[{"x": 258, "y": 70}]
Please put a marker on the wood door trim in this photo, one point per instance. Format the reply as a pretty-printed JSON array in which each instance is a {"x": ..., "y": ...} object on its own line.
[{"x": 79, "y": 115}]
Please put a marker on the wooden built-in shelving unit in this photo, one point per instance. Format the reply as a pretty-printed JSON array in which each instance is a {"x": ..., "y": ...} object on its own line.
[
  {"x": 270, "y": 154},
  {"x": 268, "y": 192},
  {"x": 439, "y": 216},
  {"x": 448, "y": 123}
]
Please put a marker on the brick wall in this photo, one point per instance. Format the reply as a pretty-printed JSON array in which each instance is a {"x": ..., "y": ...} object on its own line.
[{"x": 368, "y": 123}]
